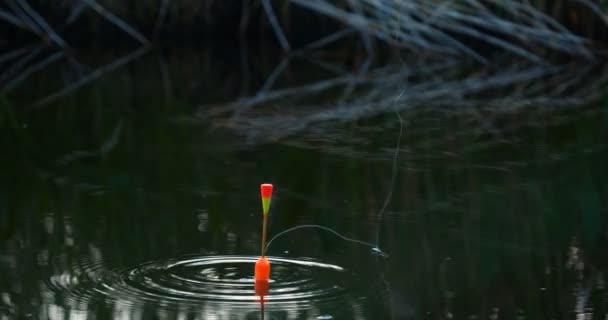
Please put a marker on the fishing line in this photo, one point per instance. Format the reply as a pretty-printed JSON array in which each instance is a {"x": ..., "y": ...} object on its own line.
[
  {"x": 382, "y": 274},
  {"x": 389, "y": 196},
  {"x": 375, "y": 247},
  {"x": 371, "y": 245}
]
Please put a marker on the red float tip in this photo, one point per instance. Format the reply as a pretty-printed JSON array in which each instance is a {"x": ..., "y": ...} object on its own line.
[{"x": 266, "y": 189}]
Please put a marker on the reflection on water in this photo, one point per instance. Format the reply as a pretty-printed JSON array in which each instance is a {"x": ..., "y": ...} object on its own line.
[
  {"x": 139, "y": 217},
  {"x": 210, "y": 285}
]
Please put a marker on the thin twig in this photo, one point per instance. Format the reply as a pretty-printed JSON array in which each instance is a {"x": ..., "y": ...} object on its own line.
[
  {"x": 275, "y": 25},
  {"x": 12, "y": 19},
  {"x": 30, "y": 70},
  {"x": 117, "y": 21},
  {"x": 96, "y": 74},
  {"x": 26, "y": 20},
  {"x": 162, "y": 16},
  {"x": 17, "y": 66},
  {"x": 43, "y": 24},
  {"x": 13, "y": 54}
]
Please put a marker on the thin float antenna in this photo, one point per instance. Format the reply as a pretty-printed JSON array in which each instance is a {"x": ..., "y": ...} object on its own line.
[{"x": 266, "y": 193}]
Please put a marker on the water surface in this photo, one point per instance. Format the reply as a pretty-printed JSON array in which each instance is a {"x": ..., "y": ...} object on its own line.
[{"x": 112, "y": 206}]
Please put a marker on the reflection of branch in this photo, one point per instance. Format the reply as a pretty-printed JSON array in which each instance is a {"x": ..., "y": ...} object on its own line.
[
  {"x": 12, "y": 20},
  {"x": 326, "y": 40},
  {"x": 21, "y": 63},
  {"x": 98, "y": 73},
  {"x": 20, "y": 14},
  {"x": 478, "y": 92},
  {"x": 42, "y": 23},
  {"x": 275, "y": 25},
  {"x": 77, "y": 10},
  {"x": 25, "y": 17},
  {"x": 102, "y": 151},
  {"x": 31, "y": 69},
  {"x": 13, "y": 54},
  {"x": 162, "y": 15},
  {"x": 116, "y": 21},
  {"x": 166, "y": 78},
  {"x": 27, "y": 22}
]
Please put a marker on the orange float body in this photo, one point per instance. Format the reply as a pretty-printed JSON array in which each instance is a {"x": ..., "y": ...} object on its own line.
[{"x": 262, "y": 276}]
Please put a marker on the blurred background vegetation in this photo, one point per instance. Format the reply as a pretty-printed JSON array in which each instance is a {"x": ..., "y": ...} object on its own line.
[
  {"x": 349, "y": 46},
  {"x": 299, "y": 21}
]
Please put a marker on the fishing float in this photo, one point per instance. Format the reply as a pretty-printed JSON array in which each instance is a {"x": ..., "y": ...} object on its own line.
[{"x": 262, "y": 265}]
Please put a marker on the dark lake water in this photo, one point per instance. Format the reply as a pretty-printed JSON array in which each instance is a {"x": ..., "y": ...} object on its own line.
[{"x": 116, "y": 202}]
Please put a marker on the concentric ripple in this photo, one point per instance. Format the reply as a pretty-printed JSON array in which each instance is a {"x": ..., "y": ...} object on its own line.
[
  {"x": 229, "y": 279},
  {"x": 212, "y": 282}
]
